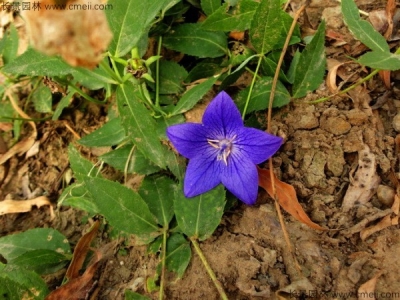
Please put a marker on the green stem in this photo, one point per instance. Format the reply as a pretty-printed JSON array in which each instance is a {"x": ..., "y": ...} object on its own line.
[
  {"x": 209, "y": 270},
  {"x": 116, "y": 70},
  {"x": 86, "y": 96},
  {"x": 28, "y": 120},
  {"x": 158, "y": 72},
  {"x": 104, "y": 65},
  {"x": 347, "y": 89},
  {"x": 163, "y": 258},
  {"x": 251, "y": 86}
]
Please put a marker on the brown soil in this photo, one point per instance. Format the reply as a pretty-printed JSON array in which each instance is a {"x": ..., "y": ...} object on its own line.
[{"x": 322, "y": 158}]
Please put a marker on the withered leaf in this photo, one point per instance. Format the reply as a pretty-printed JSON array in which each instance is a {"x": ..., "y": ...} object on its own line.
[{"x": 286, "y": 197}]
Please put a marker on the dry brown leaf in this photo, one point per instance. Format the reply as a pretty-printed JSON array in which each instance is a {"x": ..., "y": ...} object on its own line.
[
  {"x": 21, "y": 206},
  {"x": 81, "y": 251},
  {"x": 390, "y": 11},
  {"x": 237, "y": 35},
  {"x": 385, "y": 76},
  {"x": 80, "y": 36},
  {"x": 368, "y": 287},
  {"x": 286, "y": 197},
  {"x": 332, "y": 74},
  {"x": 365, "y": 182}
]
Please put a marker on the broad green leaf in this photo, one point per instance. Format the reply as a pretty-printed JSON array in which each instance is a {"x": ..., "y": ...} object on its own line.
[
  {"x": 9, "y": 45},
  {"x": 199, "y": 216},
  {"x": 123, "y": 208},
  {"x": 93, "y": 79},
  {"x": 192, "y": 96},
  {"x": 269, "y": 65},
  {"x": 42, "y": 99},
  {"x": 41, "y": 261},
  {"x": 76, "y": 195},
  {"x": 65, "y": 101},
  {"x": 171, "y": 77},
  {"x": 291, "y": 73},
  {"x": 138, "y": 123},
  {"x": 270, "y": 26},
  {"x": 130, "y": 21},
  {"x": 178, "y": 254},
  {"x": 158, "y": 193},
  {"x": 175, "y": 163},
  {"x": 361, "y": 29},
  {"x": 129, "y": 295},
  {"x": 81, "y": 167},
  {"x": 237, "y": 18},
  {"x": 16, "y": 283},
  {"x": 110, "y": 134},
  {"x": 203, "y": 70},
  {"x": 260, "y": 96},
  {"x": 14, "y": 245},
  {"x": 210, "y": 6},
  {"x": 381, "y": 60},
  {"x": 33, "y": 63},
  {"x": 138, "y": 163},
  {"x": 193, "y": 40},
  {"x": 311, "y": 67}
]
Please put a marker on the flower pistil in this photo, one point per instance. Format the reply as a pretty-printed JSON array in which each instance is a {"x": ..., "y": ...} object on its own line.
[{"x": 224, "y": 147}]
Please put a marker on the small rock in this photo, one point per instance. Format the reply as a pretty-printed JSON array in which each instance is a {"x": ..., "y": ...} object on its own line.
[
  {"x": 396, "y": 122},
  {"x": 385, "y": 195},
  {"x": 356, "y": 117},
  {"x": 335, "y": 125}
]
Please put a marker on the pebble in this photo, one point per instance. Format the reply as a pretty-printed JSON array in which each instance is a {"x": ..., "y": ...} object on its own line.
[
  {"x": 396, "y": 122},
  {"x": 385, "y": 195}
]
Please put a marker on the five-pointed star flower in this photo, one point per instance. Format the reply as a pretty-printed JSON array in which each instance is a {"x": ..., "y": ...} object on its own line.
[{"x": 222, "y": 150}]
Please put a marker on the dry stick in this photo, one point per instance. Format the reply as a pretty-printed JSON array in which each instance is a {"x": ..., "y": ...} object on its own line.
[{"x": 271, "y": 100}]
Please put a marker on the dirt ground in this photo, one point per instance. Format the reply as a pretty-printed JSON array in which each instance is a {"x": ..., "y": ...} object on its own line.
[{"x": 342, "y": 158}]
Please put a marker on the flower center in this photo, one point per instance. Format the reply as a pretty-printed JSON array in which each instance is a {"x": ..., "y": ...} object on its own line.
[{"x": 224, "y": 147}]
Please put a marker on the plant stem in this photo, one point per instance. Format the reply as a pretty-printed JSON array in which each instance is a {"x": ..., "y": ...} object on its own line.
[
  {"x": 163, "y": 258},
  {"x": 158, "y": 72},
  {"x": 209, "y": 270},
  {"x": 251, "y": 86},
  {"x": 86, "y": 96}
]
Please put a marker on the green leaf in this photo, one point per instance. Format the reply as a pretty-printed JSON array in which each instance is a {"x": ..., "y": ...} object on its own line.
[
  {"x": 269, "y": 65},
  {"x": 9, "y": 45},
  {"x": 123, "y": 208},
  {"x": 203, "y": 69},
  {"x": 16, "y": 283},
  {"x": 81, "y": 167},
  {"x": 138, "y": 163},
  {"x": 41, "y": 261},
  {"x": 130, "y": 21},
  {"x": 129, "y": 295},
  {"x": 260, "y": 96},
  {"x": 210, "y": 6},
  {"x": 311, "y": 67},
  {"x": 158, "y": 193},
  {"x": 42, "y": 99},
  {"x": 175, "y": 163},
  {"x": 138, "y": 123},
  {"x": 199, "y": 216},
  {"x": 270, "y": 26},
  {"x": 93, "y": 79},
  {"x": 172, "y": 76},
  {"x": 381, "y": 60},
  {"x": 291, "y": 74},
  {"x": 361, "y": 29},
  {"x": 110, "y": 134},
  {"x": 192, "y": 96},
  {"x": 193, "y": 40},
  {"x": 178, "y": 254},
  {"x": 65, "y": 101},
  {"x": 14, "y": 245},
  {"x": 237, "y": 18},
  {"x": 33, "y": 63}
]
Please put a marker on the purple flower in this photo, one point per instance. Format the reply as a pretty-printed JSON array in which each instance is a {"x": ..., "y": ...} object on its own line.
[{"x": 222, "y": 150}]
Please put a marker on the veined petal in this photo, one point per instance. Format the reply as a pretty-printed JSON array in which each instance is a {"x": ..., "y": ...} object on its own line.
[
  {"x": 188, "y": 138},
  {"x": 222, "y": 116},
  {"x": 257, "y": 144},
  {"x": 240, "y": 177},
  {"x": 202, "y": 174}
]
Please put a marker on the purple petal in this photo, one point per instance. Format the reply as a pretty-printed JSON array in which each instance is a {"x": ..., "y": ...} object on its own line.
[
  {"x": 240, "y": 177},
  {"x": 202, "y": 174},
  {"x": 189, "y": 138},
  {"x": 257, "y": 144},
  {"x": 222, "y": 116}
]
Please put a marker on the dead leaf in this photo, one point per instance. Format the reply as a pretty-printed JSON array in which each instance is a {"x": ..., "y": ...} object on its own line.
[
  {"x": 390, "y": 11},
  {"x": 368, "y": 288},
  {"x": 385, "y": 76},
  {"x": 21, "y": 206},
  {"x": 237, "y": 35},
  {"x": 77, "y": 286},
  {"x": 286, "y": 197},
  {"x": 79, "y": 35},
  {"x": 81, "y": 251},
  {"x": 365, "y": 182}
]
